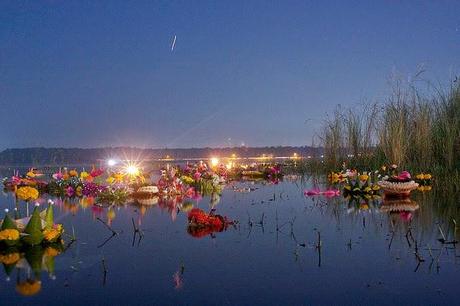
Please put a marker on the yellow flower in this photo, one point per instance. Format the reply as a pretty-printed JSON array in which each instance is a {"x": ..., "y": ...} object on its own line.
[
  {"x": 364, "y": 206},
  {"x": 30, "y": 174},
  {"x": 9, "y": 259},
  {"x": 84, "y": 175},
  {"x": 420, "y": 176},
  {"x": 29, "y": 287},
  {"x": 51, "y": 252},
  {"x": 424, "y": 188},
  {"x": 118, "y": 177},
  {"x": 110, "y": 180},
  {"x": 427, "y": 177},
  {"x": 363, "y": 177},
  {"x": 27, "y": 193},
  {"x": 384, "y": 168},
  {"x": 9, "y": 234},
  {"x": 78, "y": 191},
  {"x": 333, "y": 177},
  {"x": 53, "y": 233},
  {"x": 73, "y": 172}
]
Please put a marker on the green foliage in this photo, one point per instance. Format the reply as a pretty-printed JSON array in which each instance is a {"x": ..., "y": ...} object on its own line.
[
  {"x": 34, "y": 229},
  {"x": 49, "y": 217},
  {"x": 8, "y": 223},
  {"x": 412, "y": 129}
]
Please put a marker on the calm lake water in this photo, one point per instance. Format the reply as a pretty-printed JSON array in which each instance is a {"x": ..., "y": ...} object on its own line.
[{"x": 367, "y": 253}]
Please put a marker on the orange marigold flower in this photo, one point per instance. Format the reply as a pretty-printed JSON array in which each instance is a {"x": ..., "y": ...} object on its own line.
[
  {"x": 27, "y": 193},
  {"x": 9, "y": 259},
  {"x": 9, "y": 234},
  {"x": 29, "y": 287}
]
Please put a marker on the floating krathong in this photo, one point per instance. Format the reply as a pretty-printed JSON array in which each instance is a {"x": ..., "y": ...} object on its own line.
[
  {"x": 202, "y": 224},
  {"x": 37, "y": 230},
  {"x": 398, "y": 186},
  {"x": 145, "y": 193},
  {"x": 329, "y": 193},
  {"x": 402, "y": 189}
]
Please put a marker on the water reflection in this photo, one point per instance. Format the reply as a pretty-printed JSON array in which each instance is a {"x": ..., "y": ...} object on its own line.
[
  {"x": 26, "y": 265},
  {"x": 282, "y": 238}
]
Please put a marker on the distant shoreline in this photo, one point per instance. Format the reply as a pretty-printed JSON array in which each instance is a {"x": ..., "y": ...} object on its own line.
[{"x": 77, "y": 156}]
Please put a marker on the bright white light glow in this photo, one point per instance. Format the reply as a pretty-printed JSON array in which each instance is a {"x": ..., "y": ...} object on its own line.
[
  {"x": 111, "y": 162},
  {"x": 214, "y": 161},
  {"x": 132, "y": 170}
]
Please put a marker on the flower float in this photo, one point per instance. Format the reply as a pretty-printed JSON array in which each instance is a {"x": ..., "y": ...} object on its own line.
[
  {"x": 360, "y": 185},
  {"x": 202, "y": 224},
  {"x": 398, "y": 185},
  {"x": 9, "y": 234},
  {"x": 31, "y": 179},
  {"x": 327, "y": 193},
  {"x": 145, "y": 192},
  {"x": 271, "y": 172},
  {"x": 14, "y": 233}
]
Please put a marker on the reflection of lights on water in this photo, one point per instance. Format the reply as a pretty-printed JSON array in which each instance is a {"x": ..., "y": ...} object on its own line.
[
  {"x": 111, "y": 162},
  {"x": 214, "y": 162}
]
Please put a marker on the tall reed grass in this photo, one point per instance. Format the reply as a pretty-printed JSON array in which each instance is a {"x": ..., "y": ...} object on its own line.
[{"x": 415, "y": 129}]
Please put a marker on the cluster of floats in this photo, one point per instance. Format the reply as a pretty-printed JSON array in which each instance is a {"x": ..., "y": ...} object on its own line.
[
  {"x": 128, "y": 183},
  {"x": 385, "y": 188},
  {"x": 30, "y": 244},
  {"x": 30, "y": 240}
]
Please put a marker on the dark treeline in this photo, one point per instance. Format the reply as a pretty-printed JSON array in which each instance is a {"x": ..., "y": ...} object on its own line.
[{"x": 66, "y": 156}]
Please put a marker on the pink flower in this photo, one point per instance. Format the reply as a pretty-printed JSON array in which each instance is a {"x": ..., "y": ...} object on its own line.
[
  {"x": 15, "y": 180},
  {"x": 312, "y": 192},
  {"x": 96, "y": 172},
  {"x": 58, "y": 176},
  {"x": 190, "y": 193},
  {"x": 404, "y": 175},
  {"x": 69, "y": 191},
  {"x": 331, "y": 193},
  {"x": 197, "y": 176},
  {"x": 405, "y": 215}
]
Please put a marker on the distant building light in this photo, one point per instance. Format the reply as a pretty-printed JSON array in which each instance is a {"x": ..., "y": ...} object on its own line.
[{"x": 111, "y": 162}]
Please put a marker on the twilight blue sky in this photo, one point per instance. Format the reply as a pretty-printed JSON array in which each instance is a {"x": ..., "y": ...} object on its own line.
[{"x": 91, "y": 74}]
